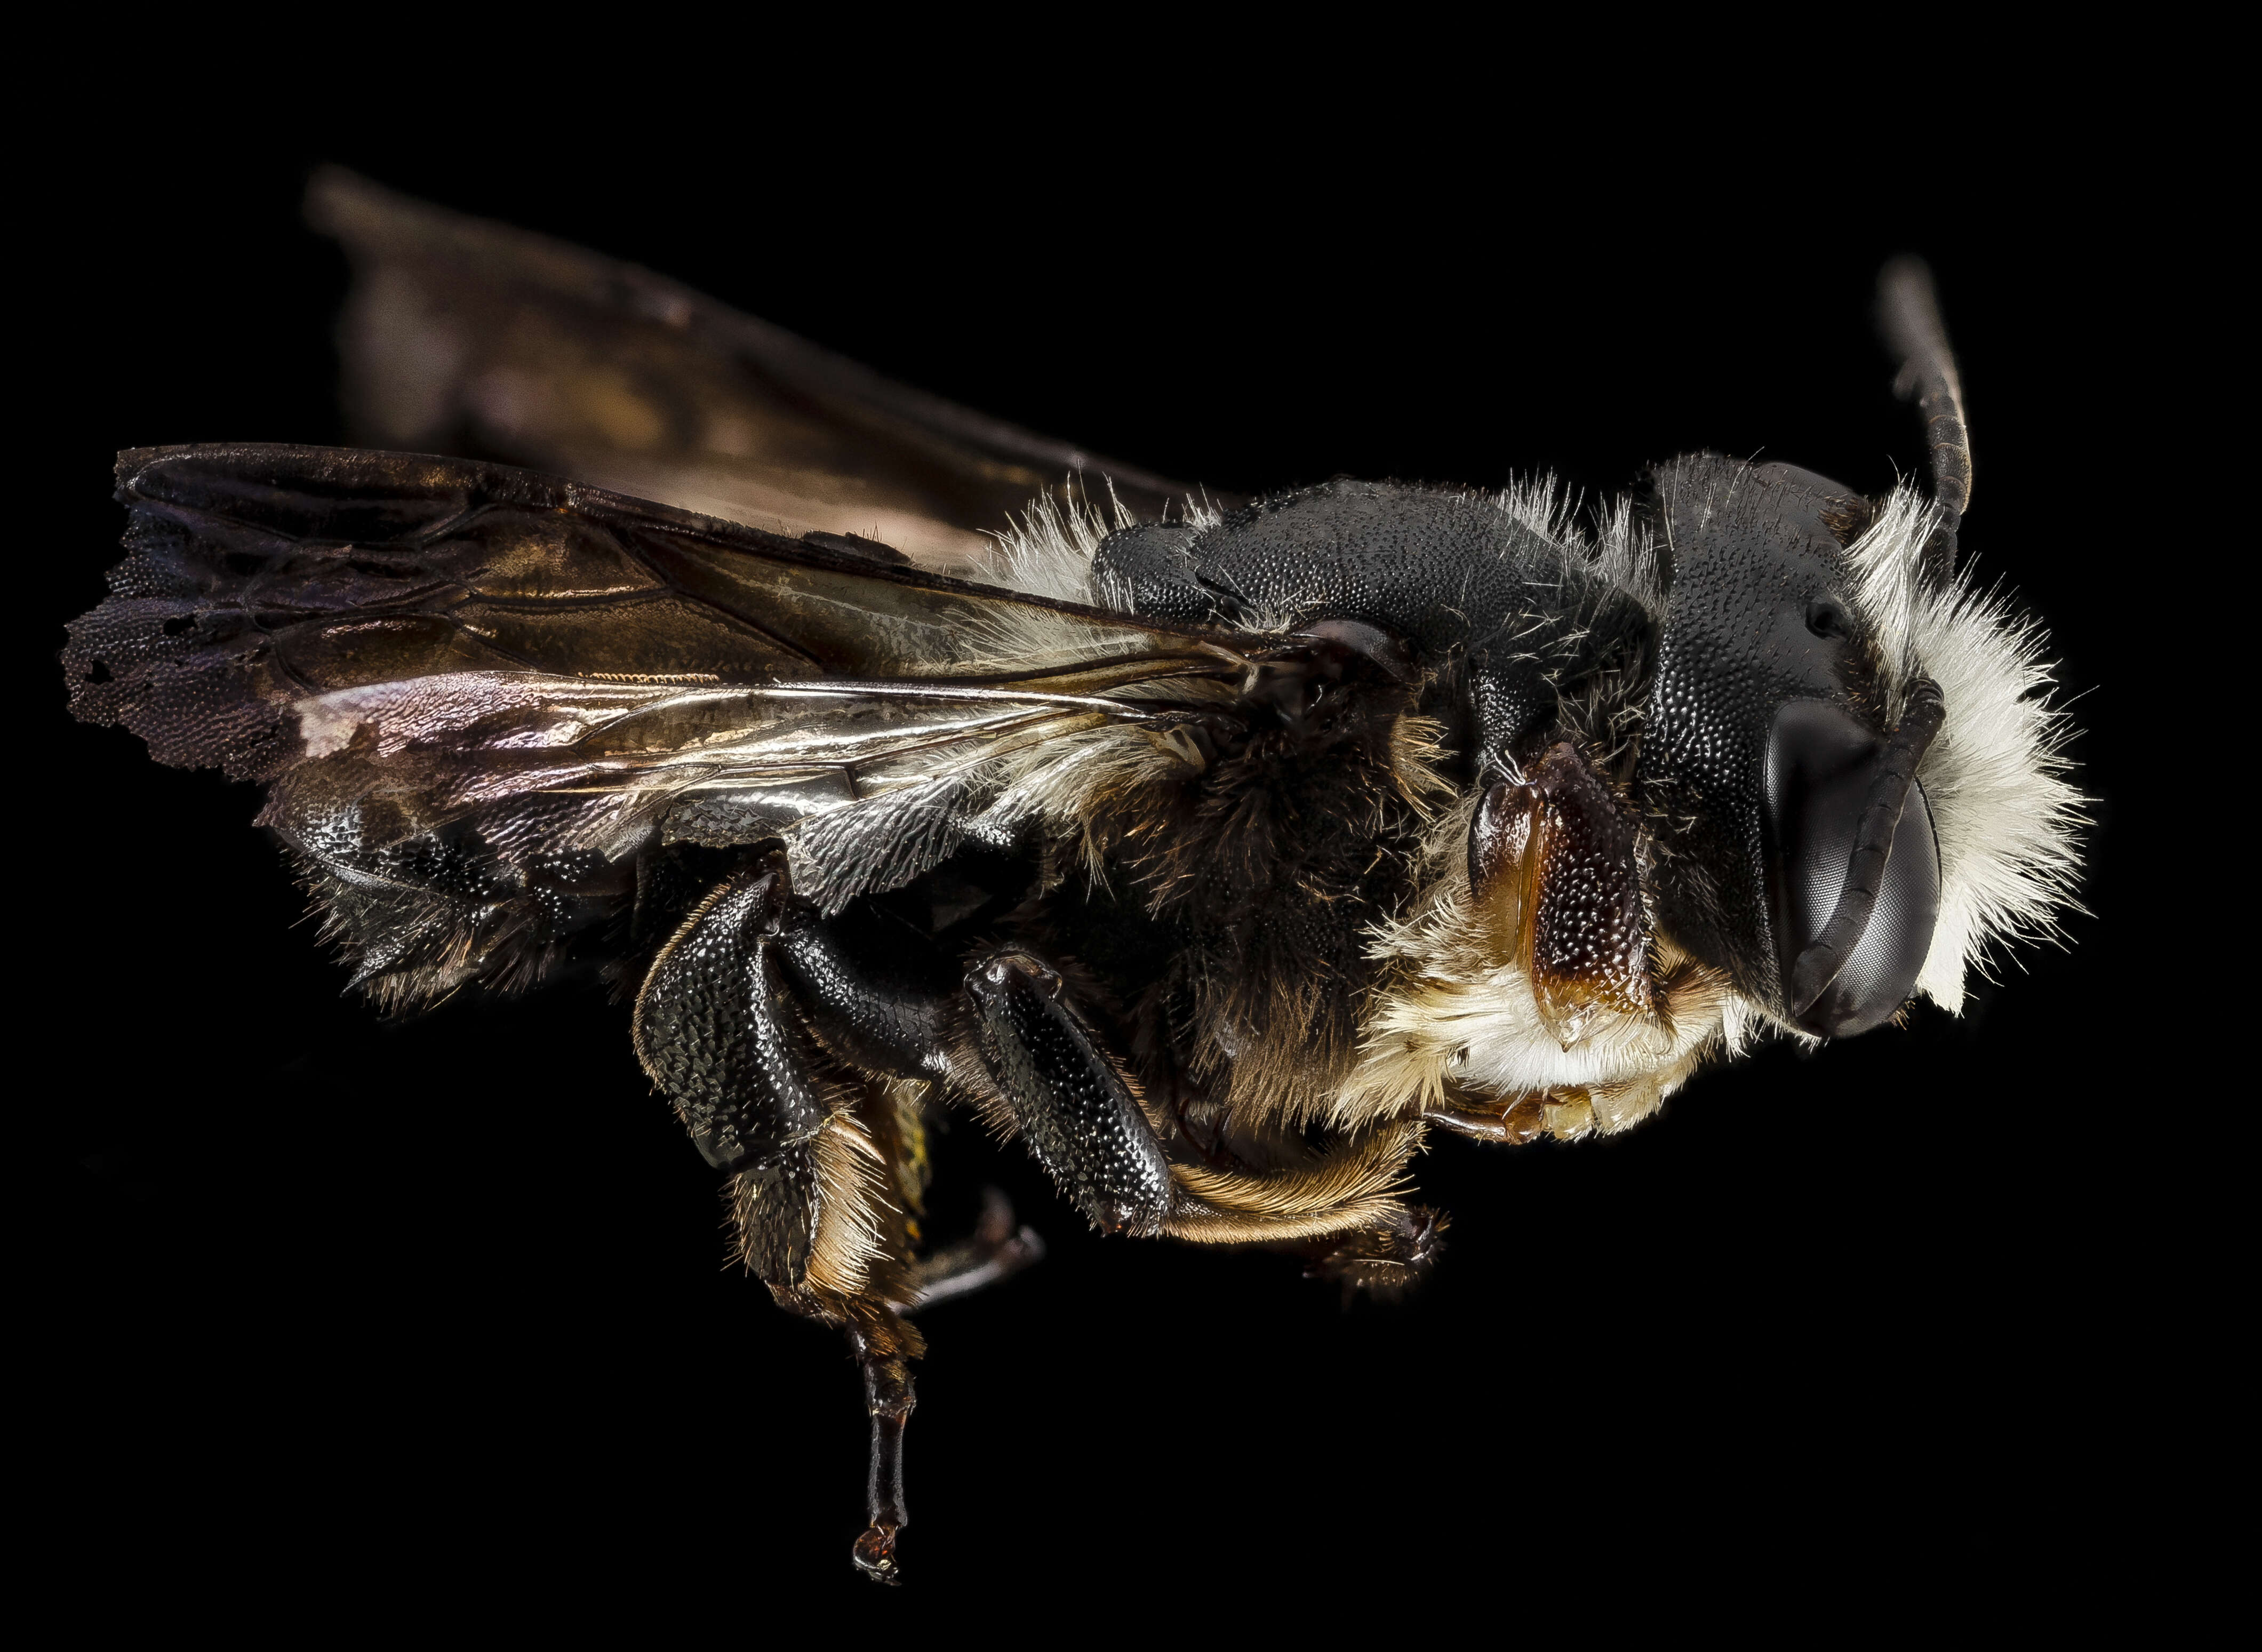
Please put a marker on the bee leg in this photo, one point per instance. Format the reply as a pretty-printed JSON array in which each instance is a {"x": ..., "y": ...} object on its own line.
[
  {"x": 717, "y": 1031},
  {"x": 889, "y": 1015},
  {"x": 883, "y": 1348},
  {"x": 997, "y": 1249},
  {"x": 1069, "y": 1099},
  {"x": 720, "y": 1030},
  {"x": 1384, "y": 1257},
  {"x": 884, "y": 1001},
  {"x": 1555, "y": 876}
]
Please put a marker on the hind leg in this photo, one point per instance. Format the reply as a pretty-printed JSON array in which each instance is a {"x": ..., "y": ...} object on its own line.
[{"x": 810, "y": 1142}]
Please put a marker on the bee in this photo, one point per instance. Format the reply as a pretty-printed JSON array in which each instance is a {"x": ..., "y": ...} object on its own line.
[{"x": 1222, "y": 851}]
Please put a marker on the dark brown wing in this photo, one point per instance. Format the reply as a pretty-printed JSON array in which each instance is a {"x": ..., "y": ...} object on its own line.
[
  {"x": 263, "y": 575},
  {"x": 464, "y": 336},
  {"x": 479, "y": 697}
]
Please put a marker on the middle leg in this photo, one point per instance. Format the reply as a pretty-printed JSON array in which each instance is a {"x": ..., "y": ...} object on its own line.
[
  {"x": 1057, "y": 1084},
  {"x": 1074, "y": 1107}
]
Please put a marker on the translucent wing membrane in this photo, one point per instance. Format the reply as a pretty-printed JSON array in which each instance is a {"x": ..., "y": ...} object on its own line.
[
  {"x": 463, "y": 336},
  {"x": 478, "y": 695}
]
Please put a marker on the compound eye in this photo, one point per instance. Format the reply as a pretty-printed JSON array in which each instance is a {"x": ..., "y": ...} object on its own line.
[
  {"x": 1820, "y": 765},
  {"x": 1826, "y": 619}
]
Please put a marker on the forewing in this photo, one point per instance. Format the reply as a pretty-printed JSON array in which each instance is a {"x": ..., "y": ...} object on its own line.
[
  {"x": 464, "y": 336},
  {"x": 478, "y": 695},
  {"x": 265, "y": 576}
]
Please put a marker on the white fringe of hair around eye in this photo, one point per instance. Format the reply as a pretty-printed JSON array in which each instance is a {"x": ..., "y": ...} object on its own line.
[
  {"x": 2007, "y": 817},
  {"x": 1886, "y": 562}
]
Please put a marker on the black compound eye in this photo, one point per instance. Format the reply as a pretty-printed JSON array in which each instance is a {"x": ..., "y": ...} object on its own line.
[
  {"x": 1826, "y": 619},
  {"x": 1819, "y": 765}
]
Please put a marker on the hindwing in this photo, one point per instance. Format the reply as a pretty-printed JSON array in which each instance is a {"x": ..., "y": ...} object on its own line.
[{"x": 465, "y": 336}]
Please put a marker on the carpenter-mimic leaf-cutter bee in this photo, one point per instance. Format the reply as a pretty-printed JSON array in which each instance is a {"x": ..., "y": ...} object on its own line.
[{"x": 1220, "y": 850}]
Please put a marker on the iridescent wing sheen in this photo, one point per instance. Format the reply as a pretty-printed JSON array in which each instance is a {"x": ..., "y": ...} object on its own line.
[
  {"x": 479, "y": 697},
  {"x": 464, "y": 336}
]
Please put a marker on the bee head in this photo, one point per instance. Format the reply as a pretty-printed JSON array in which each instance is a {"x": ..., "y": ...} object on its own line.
[{"x": 1781, "y": 752}]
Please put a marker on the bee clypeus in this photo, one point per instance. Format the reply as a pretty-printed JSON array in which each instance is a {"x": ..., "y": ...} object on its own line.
[{"x": 1219, "y": 850}]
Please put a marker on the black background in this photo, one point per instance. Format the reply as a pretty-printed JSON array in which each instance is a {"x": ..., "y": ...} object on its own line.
[{"x": 1840, "y": 1313}]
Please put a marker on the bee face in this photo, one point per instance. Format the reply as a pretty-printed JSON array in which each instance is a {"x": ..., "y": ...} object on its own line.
[{"x": 1767, "y": 731}]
